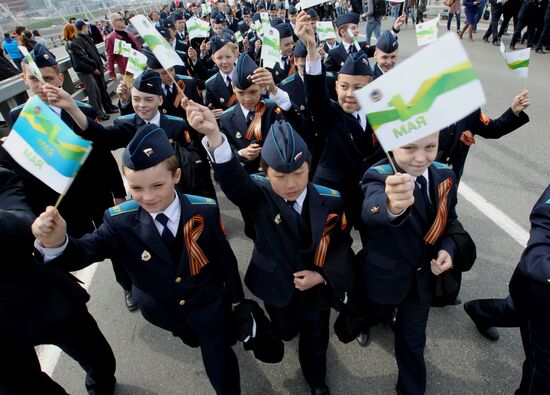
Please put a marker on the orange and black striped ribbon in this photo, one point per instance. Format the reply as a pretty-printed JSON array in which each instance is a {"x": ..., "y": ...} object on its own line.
[
  {"x": 438, "y": 227},
  {"x": 191, "y": 232},
  {"x": 321, "y": 253},
  {"x": 232, "y": 100},
  {"x": 254, "y": 131},
  {"x": 292, "y": 68}
]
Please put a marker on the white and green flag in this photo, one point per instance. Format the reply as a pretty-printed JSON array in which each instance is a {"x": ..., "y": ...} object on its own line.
[
  {"x": 137, "y": 63},
  {"x": 325, "y": 30},
  {"x": 163, "y": 51},
  {"x": 303, "y": 4},
  {"x": 271, "y": 47},
  {"x": 206, "y": 8},
  {"x": 427, "y": 32},
  {"x": 238, "y": 36},
  {"x": 354, "y": 40},
  {"x": 517, "y": 61},
  {"x": 430, "y": 90},
  {"x": 122, "y": 48},
  {"x": 198, "y": 28},
  {"x": 31, "y": 64}
]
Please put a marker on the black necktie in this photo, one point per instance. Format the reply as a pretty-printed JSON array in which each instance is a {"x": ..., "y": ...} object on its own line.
[
  {"x": 228, "y": 82},
  {"x": 421, "y": 180},
  {"x": 166, "y": 235},
  {"x": 249, "y": 118},
  {"x": 291, "y": 204},
  {"x": 351, "y": 49},
  {"x": 168, "y": 89}
]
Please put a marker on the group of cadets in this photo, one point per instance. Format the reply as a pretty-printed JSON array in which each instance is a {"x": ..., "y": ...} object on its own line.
[{"x": 291, "y": 149}]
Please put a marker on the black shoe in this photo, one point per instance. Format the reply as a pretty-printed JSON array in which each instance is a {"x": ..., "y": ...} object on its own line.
[
  {"x": 512, "y": 47},
  {"x": 488, "y": 332},
  {"x": 539, "y": 50},
  {"x": 364, "y": 338},
  {"x": 455, "y": 302},
  {"x": 129, "y": 301},
  {"x": 320, "y": 391},
  {"x": 485, "y": 39},
  {"x": 112, "y": 110},
  {"x": 104, "y": 117},
  {"x": 496, "y": 43}
]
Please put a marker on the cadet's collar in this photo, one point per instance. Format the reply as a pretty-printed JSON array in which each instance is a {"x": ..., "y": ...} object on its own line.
[
  {"x": 426, "y": 175},
  {"x": 299, "y": 202},
  {"x": 155, "y": 119},
  {"x": 244, "y": 110},
  {"x": 173, "y": 211}
]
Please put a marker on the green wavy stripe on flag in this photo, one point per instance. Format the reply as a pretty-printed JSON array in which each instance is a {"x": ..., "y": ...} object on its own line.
[
  {"x": 325, "y": 29},
  {"x": 270, "y": 43},
  {"x": 425, "y": 32},
  {"x": 44, "y": 126},
  {"x": 518, "y": 64},
  {"x": 154, "y": 41},
  {"x": 429, "y": 91}
]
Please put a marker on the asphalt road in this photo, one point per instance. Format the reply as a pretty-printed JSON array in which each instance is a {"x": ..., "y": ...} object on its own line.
[{"x": 509, "y": 173}]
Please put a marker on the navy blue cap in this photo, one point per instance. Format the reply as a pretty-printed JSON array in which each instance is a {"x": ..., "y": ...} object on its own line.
[
  {"x": 292, "y": 10},
  {"x": 350, "y": 17},
  {"x": 164, "y": 32},
  {"x": 272, "y": 7},
  {"x": 163, "y": 15},
  {"x": 312, "y": 13},
  {"x": 214, "y": 14},
  {"x": 169, "y": 24},
  {"x": 42, "y": 56},
  {"x": 176, "y": 16},
  {"x": 148, "y": 148},
  {"x": 284, "y": 30},
  {"x": 187, "y": 16},
  {"x": 228, "y": 35},
  {"x": 79, "y": 24},
  {"x": 243, "y": 27},
  {"x": 280, "y": 6},
  {"x": 284, "y": 150},
  {"x": 387, "y": 42},
  {"x": 228, "y": 9},
  {"x": 256, "y": 17},
  {"x": 152, "y": 61},
  {"x": 149, "y": 82},
  {"x": 356, "y": 64},
  {"x": 217, "y": 43},
  {"x": 220, "y": 19},
  {"x": 276, "y": 21},
  {"x": 245, "y": 11},
  {"x": 243, "y": 71},
  {"x": 300, "y": 50}
]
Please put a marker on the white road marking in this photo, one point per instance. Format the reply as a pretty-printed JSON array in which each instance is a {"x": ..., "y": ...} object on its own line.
[{"x": 503, "y": 221}]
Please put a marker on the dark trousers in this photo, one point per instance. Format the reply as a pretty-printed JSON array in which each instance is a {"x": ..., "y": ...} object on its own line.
[
  {"x": 532, "y": 26},
  {"x": 508, "y": 13},
  {"x": 105, "y": 97},
  {"x": 532, "y": 317},
  {"x": 545, "y": 34},
  {"x": 300, "y": 317},
  {"x": 410, "y": 339},
  {"x": 79, "y": 337},
  {"x": 496, "y": 12},
  {"x": 209, "y": 327}
]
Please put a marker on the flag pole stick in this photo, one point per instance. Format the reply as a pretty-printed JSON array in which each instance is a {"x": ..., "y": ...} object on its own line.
[
  {"x": 59, "y": 199},
  {"x": 392, "y": 164}
]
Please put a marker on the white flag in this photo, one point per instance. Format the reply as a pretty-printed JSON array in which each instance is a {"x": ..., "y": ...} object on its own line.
[
  {"x": 517, "y": 61},
  {"x": 325, "y": 30},
  {"x": 271, "y": 48},
  {"x": 137, "y": 63},
  {"x": 198, "y": 28},
  {"x": 430, "y": 90},
  {"x": 427, "y": 32}
]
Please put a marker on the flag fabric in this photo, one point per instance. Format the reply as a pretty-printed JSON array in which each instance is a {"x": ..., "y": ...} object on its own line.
[
  {"x": 271, "y": 47},
  {"x": 117, "y": 49},
  {"x": 303, "y": 4},
  {"x": 31, "y": 64},
  {"x": 517, "y": 61},
  {"x": 426, "y": 32},
  {"x": 430, "y": 90},
  {"x": 163, "y": 51},
  {"x": 45, "y": 146},
  {"x": 325, "y": 30},
  {"x": 238, "y": 36},
  {"x": 197, "y": 28},
  {"x": 137, "y": 63},
  {"x": 354, "y": 40},
  {"x": 206, "y": 8}
]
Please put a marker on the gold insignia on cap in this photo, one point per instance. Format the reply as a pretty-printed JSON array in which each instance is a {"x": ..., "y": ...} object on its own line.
[
  {"x": 375, "y": 210},
  {"x": 145, "y": 256},
  {"x": 238, "y": 135},
  {"x": 302, "y": 107},
  {"x": 164, "y": 111},
  {"x": 278, "y": 219},
  {"x": 222, "y": 100},
  {"x": 276, "y": 73}
]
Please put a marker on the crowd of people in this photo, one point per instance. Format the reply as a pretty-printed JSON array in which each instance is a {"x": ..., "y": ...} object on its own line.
[{"x": 289, "y": 146}]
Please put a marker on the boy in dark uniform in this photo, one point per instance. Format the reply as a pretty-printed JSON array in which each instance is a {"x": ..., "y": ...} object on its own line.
[
  {"x": 219, "y": 87},
  {"x": 302, "y": 232},
  {"x": 528, "y": 304},
  {"x": 287, "y": 45},
  {"x": 349, "y": 146},
  {"x": 171, "y": 99},
  {"x": 385, "y": 54},
  {"x": 184, "y": 273},
  {"x": 41, "y": 305},
  {"x": 406, "y": 215}
]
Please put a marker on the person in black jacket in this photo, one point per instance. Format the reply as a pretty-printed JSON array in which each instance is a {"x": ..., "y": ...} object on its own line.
[
  {"x": 41, "y": 305},
  {"x": 7, "y": 69},
  {"x": 84, "y": 66}
]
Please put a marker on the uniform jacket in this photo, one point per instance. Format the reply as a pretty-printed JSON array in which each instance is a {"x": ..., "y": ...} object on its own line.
[
  {"x": 233, "y": 125},
  {"x": 348, "y": 149},
  {"x": 337, "y": 56},
  {"x": 90, "y": 194},
  {"x": 532, "y": 274},
  {"x": 282, "y": 247},
  {"x": 217, "y": 92},
  {"x": 395, "y": 253},
  {"x": 279, "y": 73},
  {"x": 377, "y": 72},
  {"x": 162, "y": 287},
  {"x": 32, "y": 296},
  {"x": 453, "y": 152}
]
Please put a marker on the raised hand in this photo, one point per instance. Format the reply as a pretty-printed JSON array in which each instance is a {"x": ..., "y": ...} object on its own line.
[
  {"x": 400, "y": 192},
  {"x": 50, "y": 228}
]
